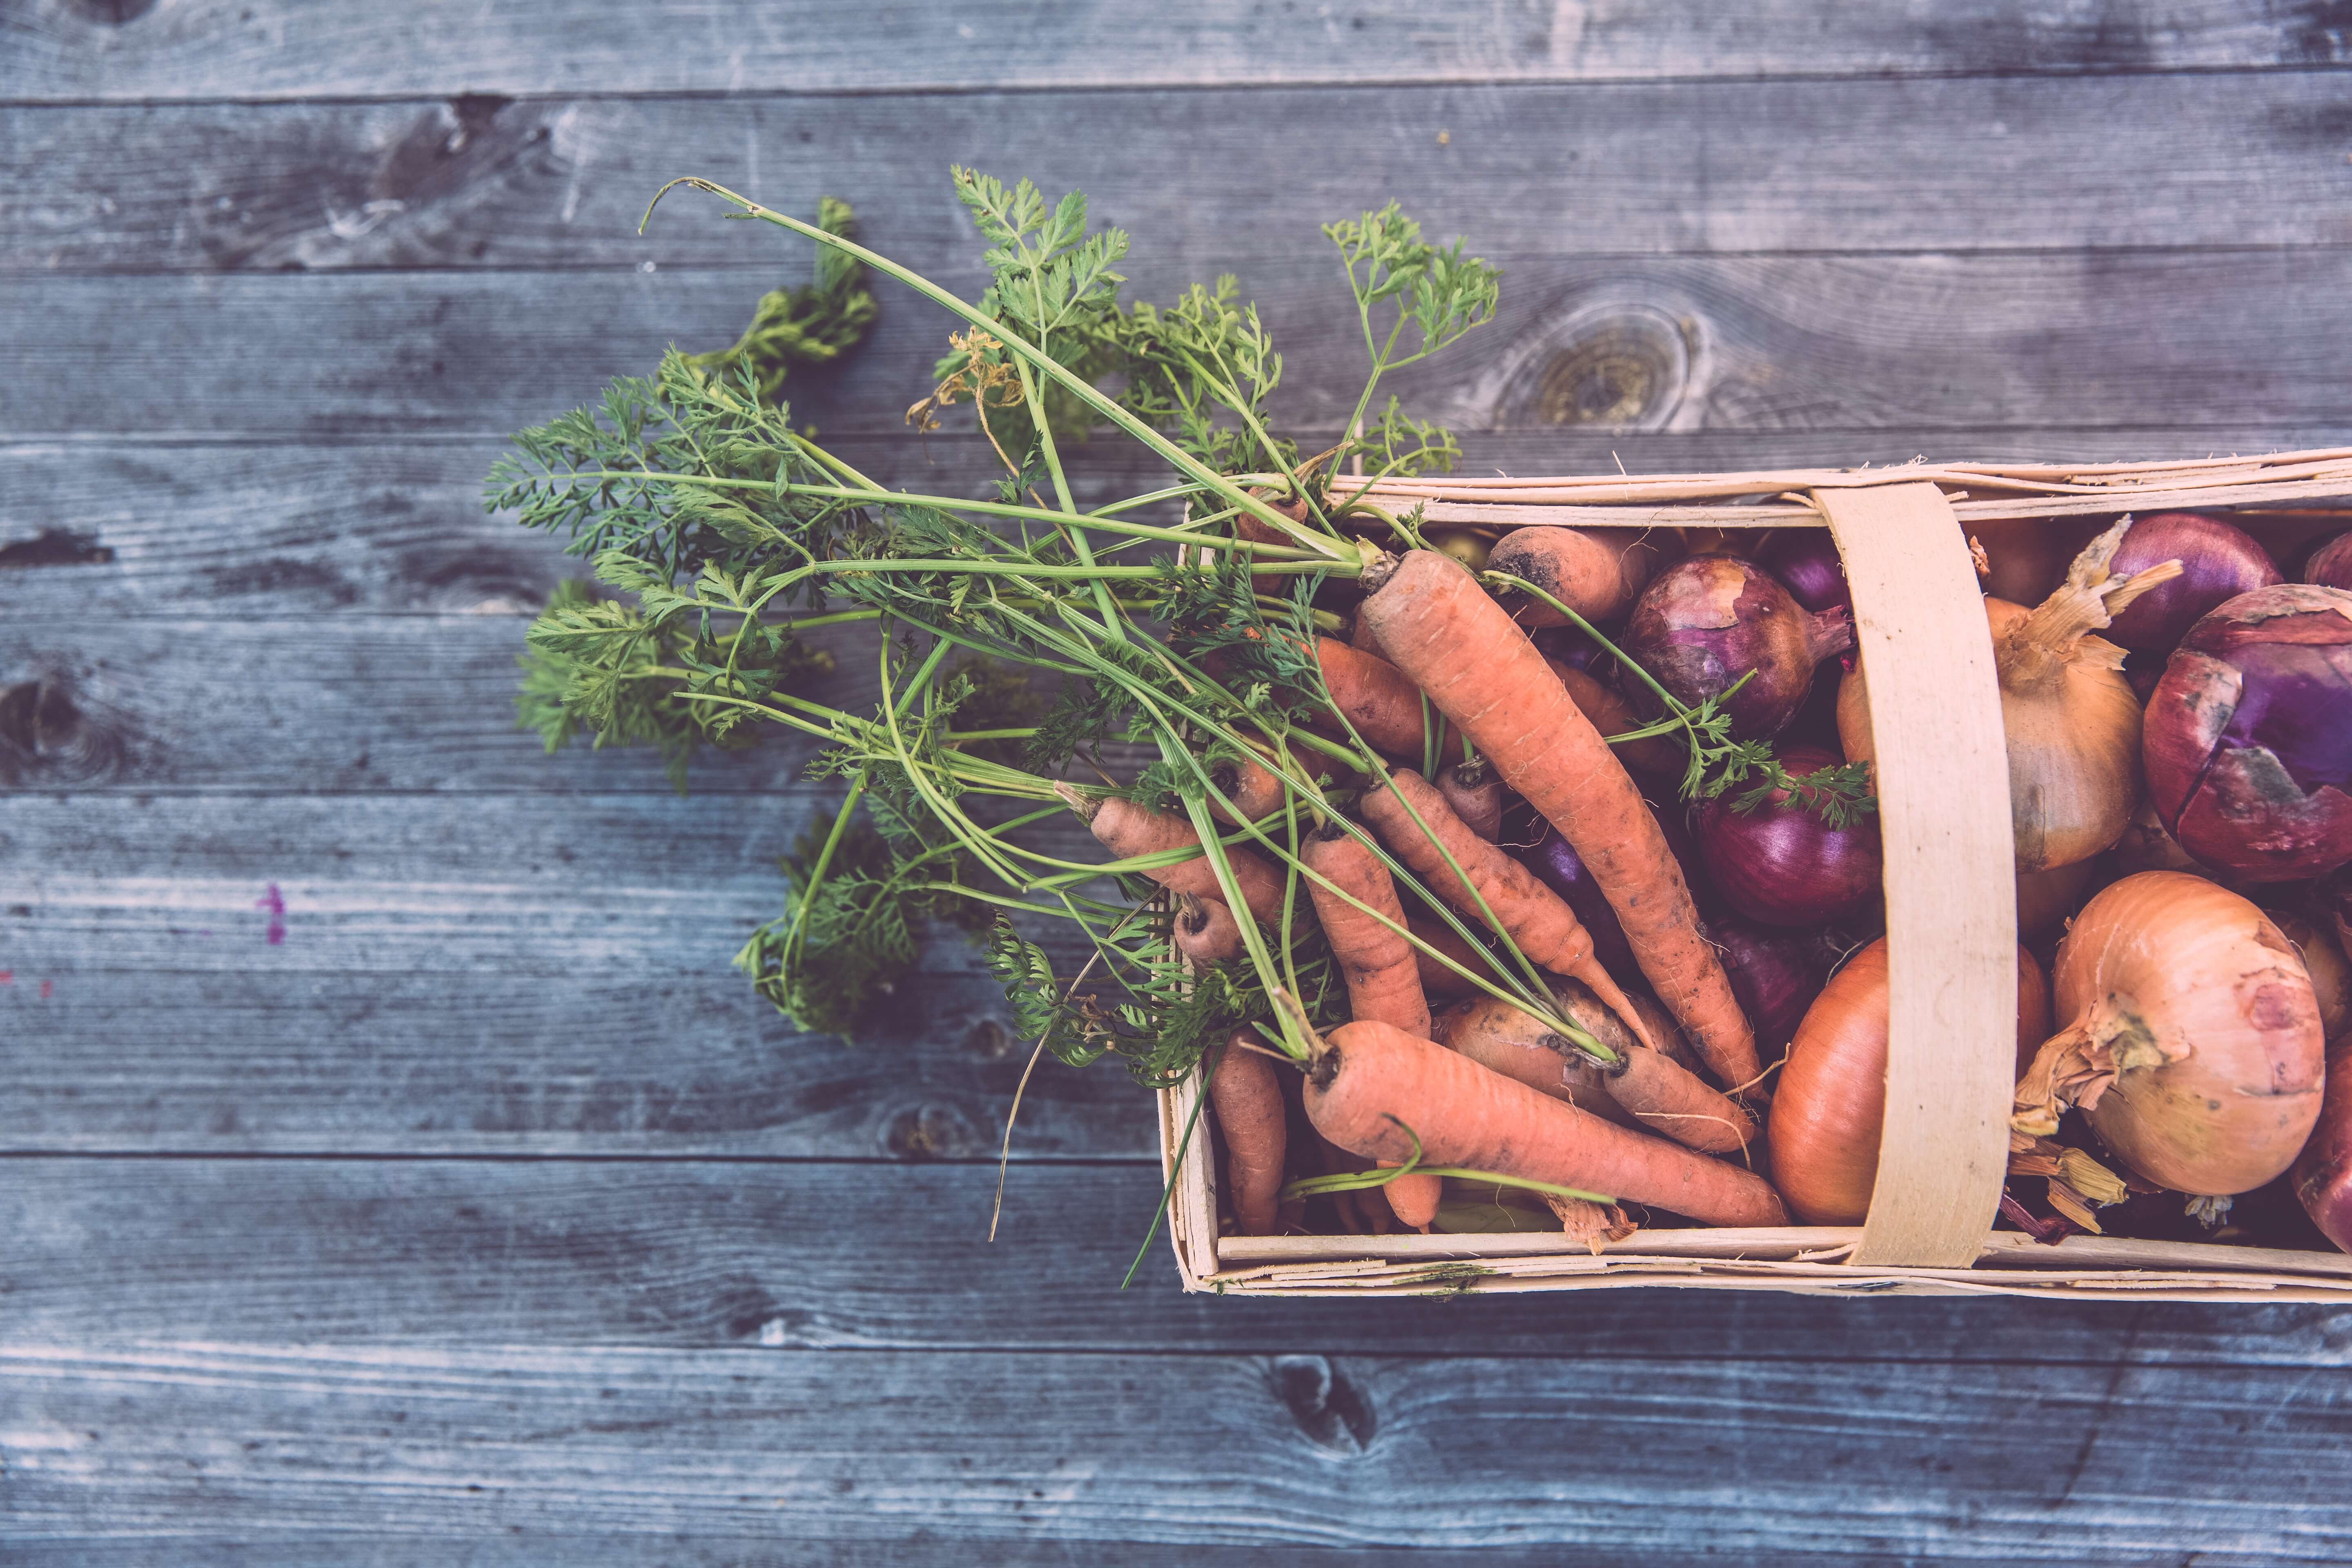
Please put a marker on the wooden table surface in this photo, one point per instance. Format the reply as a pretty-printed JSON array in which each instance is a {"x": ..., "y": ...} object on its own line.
[{"x": 395, "y": 1173}]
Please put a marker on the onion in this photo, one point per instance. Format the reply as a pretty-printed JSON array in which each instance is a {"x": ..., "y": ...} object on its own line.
[
  {"x": 2323, "y": 1171},
  {"x": 2025, "y": 556},
  {"x": 2192, "y": 1039},
  {"x": 1470, "y": 548},
  {"x": 2145, "y": 846},
  {"x": 2330, "y": 565},
  {"x": 1707, "y": 621},
  {"x": 1558, "y": 867},
  {"x": 1781, "y": 863},
  {"x": 2218, "y": 561},
  {"x": 2045, "y": 899},
  {"x": 2331, "y": 977},
  {"x": 2249, "y": 740},
  {"x": 1831, "y": 1101},
  {"x": 2071, "y": 722},
  {"x": 1775, "y": 974},
  {"x": 1807, "y": 563},
  {"x": 1475, "y": 791}
]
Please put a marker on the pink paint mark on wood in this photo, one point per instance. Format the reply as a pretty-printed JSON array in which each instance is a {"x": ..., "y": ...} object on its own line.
[
  {"x": 274, "y": 903},
  {"x": 7, "y": 976},
  {"x": 47, "y": 988}
]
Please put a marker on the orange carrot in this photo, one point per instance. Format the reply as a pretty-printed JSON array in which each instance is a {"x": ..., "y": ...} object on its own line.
[
  {"x": 1373, "y": 1081},
  {"x": 1502, "y": 1038},
  {"x": 1596, "y": 577},
  {"x": 1205, "y": 931},
  {"x": 1476, "y": 796},
  {"x": 1246, "y": 1098},
  {"x": 1384, "y": 707},
  {"x": 1376, "y": 964},
  {"x": 1481, "y": 671},
  {"x": 1256, "y": 790},
  {"x": 1127, "y": 829},
  {"x": 1657, "y": 756},
  {"x": 1530, "y": 914}
]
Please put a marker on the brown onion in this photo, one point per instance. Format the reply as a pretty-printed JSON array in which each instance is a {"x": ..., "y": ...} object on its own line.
[
  {"x": 2330, "y": 565},
  {"x": 1711, "y": 619},
  {"x": 2218, "y": 561},
  {"x": 2071, "y": 720},
  {"x": 2248, "y": 738},
  {"x": 2025, "y": 557},
  {"x": 2323, "y": 1171},
  {"x": 1831, "y": 1101},
  {"x": 2045, "y": 899},
  {"x": 2323, "y": 959},
  {"x": 2192, "y": 1039},
  {"x": 1781, "y": 863}
]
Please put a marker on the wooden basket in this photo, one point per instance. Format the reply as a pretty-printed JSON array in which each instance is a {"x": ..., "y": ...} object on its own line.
[{"x": 1951, "y": 913}]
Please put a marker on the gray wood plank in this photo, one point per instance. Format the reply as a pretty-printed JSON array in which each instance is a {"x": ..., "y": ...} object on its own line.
[
  {"x": 279, "y": 48},
  {"x": 1901, "y": 1462},
  {"x": 1973, "y": 163},
  {"x": 126, "y": 529},
  {"x": 695, "y": 1254},
  {"x": 1915, "y": 343}
]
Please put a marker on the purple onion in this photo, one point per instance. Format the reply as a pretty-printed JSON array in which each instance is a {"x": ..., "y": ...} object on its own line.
[
  {"x": 2330, "y": 565},
  {"x": 1558, "y": 867},
  {"x": 1780, "y": 864},
  {"x": 1566, "y": 643},
  {"x": 1807, "y": 563},
  {"x": 2218, "y": 561},
  {"x": 1775, "y": 974},
  {"x": 2248, "y": 739},
  {"x": 1708, "y": 620}
]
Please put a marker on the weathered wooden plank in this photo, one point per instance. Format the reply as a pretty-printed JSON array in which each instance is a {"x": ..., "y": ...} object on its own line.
[
  {"x": 691, "y": 1254},
  {"x": 2066, "y": 1463},
  {"x": 124, "y": 528},
  {"x": 1971, "y": 163},
  {"x": 1881, "y": 342},
  {"x": 276, "y": 48},
  {"x": 555, "y": 885}
]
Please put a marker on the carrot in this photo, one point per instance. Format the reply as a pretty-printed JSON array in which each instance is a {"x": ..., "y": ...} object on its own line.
[
  {"x": 1384, "y": 707},
  {"x": 1247, "y": 1096},
  {"x": 1127, "y": 829},
  {"x": 1649, "y": 1086},
  {"x": 1363, "y": 1211},
  {"x": 1376, "y": 964},
  {"x": 1611, "y": 715},
  {"x": 1436, "y": 980},
  {"x": 1256, "y": 790},
  {"x": 1502, "y": 1038},
  {"x": 1530, "y": 914},
  {"x": 1598, "y": 578},
  {"x": 1476, "y": 796},
  {"x": 1373, "y": 1081},
  {"x": 1205, "y": 931},
  {"x": 1481, "y": 671}
]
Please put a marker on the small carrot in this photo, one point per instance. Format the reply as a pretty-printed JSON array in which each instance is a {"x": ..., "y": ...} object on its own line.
[
  {"x": 1596, "y": 576},
  {"x": 1127, "y": 830},
  {"x": 1385, "y": 708},
  {"x": 1376, "y": 963},
  {"x": 1476, "y": 796},
  {"x": 1256, "y": 790},
  {"x": 1247, "y": 1096},
  {"x": 1462, "y": 648},
  {"x": 1611, "y": 715},
  {"x": 1373, "y": 1089},
  {"x": 1534, "y": 917},
  {"x": 1502, "y": 1038},
  {"x": 1205, "y": 931}
]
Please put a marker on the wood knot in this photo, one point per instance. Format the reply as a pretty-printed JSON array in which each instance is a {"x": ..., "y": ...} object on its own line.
[
  {"x": 45, "y": 738},
  {"x": 933, "y": 1133},
  {"x": 1619, "y": 366},
  {"x": 1329, "y": 1407},
  {"x": 114, "y": 12}
]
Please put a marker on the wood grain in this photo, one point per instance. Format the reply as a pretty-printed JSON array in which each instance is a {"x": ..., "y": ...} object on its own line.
[
  {"x": 688, "y": 1253},
  {"x": 124, "y": 528},
  {"x": 2077, "y": 1463},
  {"x": 283, "y": 49},
  {"x": 1973, "y": 163},
  {"x": 1886, "y": 343}
]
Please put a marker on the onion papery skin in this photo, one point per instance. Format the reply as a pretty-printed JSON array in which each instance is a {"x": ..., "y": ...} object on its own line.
[
  {"x": 1780, "y": 864},
  {"x": 1805, "y": 561},
  {"x": 2218, "y": 561},
  {"x": 1710, "y": 619},
  {"x": 2330, "y": 565},
  {"x": 1830, "y": 1104},
  {"x": 2216, "y": 1030},
  {"x": 2045, "y": 899},
  {"x": 2323, "y": 1171},
  {"x": 2323, "y": 959},
  {"x": 2248, "y": 738},
  {"x": 1775, "y": 974}
]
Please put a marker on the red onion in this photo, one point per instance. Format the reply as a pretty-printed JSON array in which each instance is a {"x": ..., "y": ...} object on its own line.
[
  {"x": 2323, "y": 1171},
  {"x": 1775, "y": 974},
  {"x": 1558, "y": 867},
  {"x": 1781, "y": 863},
  {"x": 2330, "y": 565},
  {"x": 1807, "y": 563},
  {"x": 2218, "y": 560},
  {"x": 2248, "y": 739},
  {"x": 1566, "y": 643},
  {"x": 1707, "y": 621}
]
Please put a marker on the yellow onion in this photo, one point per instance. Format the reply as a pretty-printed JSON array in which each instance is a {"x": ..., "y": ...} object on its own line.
[
  {"x": 2192, "y": 1036},
  {"x": 2071, "y": 719}
]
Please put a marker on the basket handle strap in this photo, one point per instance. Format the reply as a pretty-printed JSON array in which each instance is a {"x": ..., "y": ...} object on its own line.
[{"x": 1951, "y": 890}]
